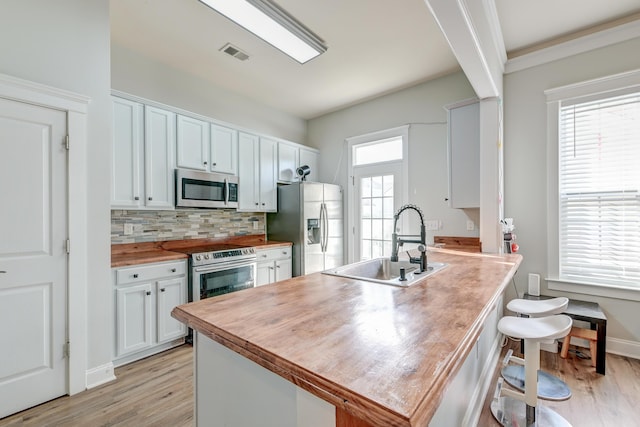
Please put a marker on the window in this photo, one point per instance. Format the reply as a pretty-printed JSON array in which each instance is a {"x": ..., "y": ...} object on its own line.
[
  {"x": 598, "y": 189},
  {"x": 378, "y": 175}
]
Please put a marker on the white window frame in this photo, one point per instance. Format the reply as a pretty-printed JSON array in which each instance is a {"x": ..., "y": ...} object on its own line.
[
  {"x": 602, "y": 87},
  {"x": 400, "y": 131}
]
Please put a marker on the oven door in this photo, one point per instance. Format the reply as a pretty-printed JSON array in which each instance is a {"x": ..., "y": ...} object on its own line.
[{"x": 211, "y": 280}]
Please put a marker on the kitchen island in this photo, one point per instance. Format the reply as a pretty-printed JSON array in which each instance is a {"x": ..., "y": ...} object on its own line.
[{"x": 325, "y": 350}]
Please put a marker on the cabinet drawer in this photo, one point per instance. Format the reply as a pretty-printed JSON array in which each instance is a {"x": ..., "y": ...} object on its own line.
[
  {"x": 146, "y": 272},
  {"x": 275, "y": 253}
]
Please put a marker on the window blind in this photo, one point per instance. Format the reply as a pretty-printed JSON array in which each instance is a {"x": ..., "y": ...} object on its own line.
[{"x": 599, "y": 190}]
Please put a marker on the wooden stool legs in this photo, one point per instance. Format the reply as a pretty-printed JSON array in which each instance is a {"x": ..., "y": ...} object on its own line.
[{"x": 586, "y": 334}]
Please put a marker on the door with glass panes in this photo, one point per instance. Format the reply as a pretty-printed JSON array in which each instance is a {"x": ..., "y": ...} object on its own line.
[{"x": 377, "y": 190}]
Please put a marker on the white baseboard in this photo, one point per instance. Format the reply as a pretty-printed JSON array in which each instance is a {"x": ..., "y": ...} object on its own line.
[
  {"x": 623, "y": 347},
  {"x": 484, "y": 383},
  {"x": 100, "y": 375}
]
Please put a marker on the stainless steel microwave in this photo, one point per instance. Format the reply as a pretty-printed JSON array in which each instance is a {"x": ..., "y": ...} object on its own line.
[{"x": 205, "y": 189}]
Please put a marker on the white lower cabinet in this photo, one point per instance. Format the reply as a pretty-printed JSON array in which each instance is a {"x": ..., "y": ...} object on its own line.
[
  {"x": 273, "y": 265},
  {"x": 144, "y": 297}
]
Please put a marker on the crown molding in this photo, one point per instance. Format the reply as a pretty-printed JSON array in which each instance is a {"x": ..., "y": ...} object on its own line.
[{"x": 589, "y": 42}]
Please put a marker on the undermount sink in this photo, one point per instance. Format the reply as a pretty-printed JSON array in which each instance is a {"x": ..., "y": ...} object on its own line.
[{"x": 382, "y": 270}]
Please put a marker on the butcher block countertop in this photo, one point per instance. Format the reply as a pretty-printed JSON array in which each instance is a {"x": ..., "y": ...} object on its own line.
[
  {"x": 141, "y": 253},
  {"x": 381, "y": 353}
]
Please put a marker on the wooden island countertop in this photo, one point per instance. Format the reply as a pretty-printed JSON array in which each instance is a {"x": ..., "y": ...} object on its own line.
[{"x": 381, "y": 353}]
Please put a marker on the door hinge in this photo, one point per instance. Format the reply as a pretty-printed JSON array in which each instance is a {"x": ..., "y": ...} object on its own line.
[
  {"x": 67, "y": 245},
  {"x": 66, "y": 142},
  {"x": 66, "y": 349}
]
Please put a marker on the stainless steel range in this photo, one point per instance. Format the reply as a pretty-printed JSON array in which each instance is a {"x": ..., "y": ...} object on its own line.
[{"x": 219, "y": 269}]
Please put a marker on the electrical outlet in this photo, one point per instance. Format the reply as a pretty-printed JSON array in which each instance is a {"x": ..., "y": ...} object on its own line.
[
  {"x": 256, "y": 225},
  {"x": 433, "y": 224},
  {"x": 128, "y": 229},
  {"x": 470, "y": 225}
]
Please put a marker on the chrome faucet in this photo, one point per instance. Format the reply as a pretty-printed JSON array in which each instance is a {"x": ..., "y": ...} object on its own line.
[{"x": 397, "y": 240}]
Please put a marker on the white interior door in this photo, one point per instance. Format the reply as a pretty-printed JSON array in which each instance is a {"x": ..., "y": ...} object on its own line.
[{"x": 33, "y": 259}]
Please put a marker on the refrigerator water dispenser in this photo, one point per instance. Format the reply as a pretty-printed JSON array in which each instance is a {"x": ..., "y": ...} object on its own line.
[{"x": 313, "y": 231}]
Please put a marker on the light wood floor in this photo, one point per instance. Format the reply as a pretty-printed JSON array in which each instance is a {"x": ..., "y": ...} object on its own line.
[
  {"x": 597, "y": 400},
  {"x": 158, "y": 391}
]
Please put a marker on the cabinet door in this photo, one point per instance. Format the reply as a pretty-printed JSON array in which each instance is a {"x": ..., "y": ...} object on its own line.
[
  {"x": 464, "y": 156},
  {"x": 192, "y": 143},
  {"x": 170, "y": 293},
  {"x": 248, "y": 184},
  {"x": 310, "y": 158},
  {"x": 159, "y": 146},
  {"x": 264, "y": 273},
  {"x": 283, "y": 269},
  {"x": 287, "y": 162},
  {"x": 127, "y": 156},
  {"x": 133, "y": 318},
  {"x": 224, "y": 149},
  {"x": 268, "y": 175}
]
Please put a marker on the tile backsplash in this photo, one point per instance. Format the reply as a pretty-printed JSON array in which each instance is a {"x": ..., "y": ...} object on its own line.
[{"x": 151, "y": 226}]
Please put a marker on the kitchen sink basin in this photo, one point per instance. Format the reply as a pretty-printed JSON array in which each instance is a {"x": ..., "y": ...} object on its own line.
[{"x": 382, "y": 270}]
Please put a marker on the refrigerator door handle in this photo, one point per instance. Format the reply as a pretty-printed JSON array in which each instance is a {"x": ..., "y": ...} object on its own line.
[
  {"x": 322, "y": 230},
  {"x": 325, "y": 228}
]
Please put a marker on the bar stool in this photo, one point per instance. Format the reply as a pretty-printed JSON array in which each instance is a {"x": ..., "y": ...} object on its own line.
[
  {"x": 550, "y": 387},
  {"x": 512, "y": 407}
]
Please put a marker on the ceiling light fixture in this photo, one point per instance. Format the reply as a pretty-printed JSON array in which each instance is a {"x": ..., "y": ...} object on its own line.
[{"x": 273, "y": 24}]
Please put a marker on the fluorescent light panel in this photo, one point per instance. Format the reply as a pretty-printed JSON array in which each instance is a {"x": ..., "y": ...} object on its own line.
[{"x": 272, "y": 24}]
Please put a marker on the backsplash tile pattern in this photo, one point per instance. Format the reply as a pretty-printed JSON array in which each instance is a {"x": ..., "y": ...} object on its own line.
[{"x": 151, "y": 226}]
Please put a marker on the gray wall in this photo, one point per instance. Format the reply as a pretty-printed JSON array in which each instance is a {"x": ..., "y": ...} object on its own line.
[
  {"x": 65, "y": 44},
  {"x": 525, "y": 167},
  {"x": 422, "y": 107},
  {"x": 146, "y": 78}
]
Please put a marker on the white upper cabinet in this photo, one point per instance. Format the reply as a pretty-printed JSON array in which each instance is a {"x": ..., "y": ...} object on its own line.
[
  {"x": 310, "y": 158},
  {"x": 143, "y": 160},
  {"x": 287, "y": 162},
  {"x": 256, "y": 173},
  {"x": 127, "y": 165},
  {"x": 464, "y": 155},
  {"x": 224, "y": 150},
  {"x": 192, "y": 143},
  {"x": 159, "y": 146}
]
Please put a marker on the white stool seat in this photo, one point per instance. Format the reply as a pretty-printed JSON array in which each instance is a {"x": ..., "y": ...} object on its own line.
[
  {"x": 538, "y": 308},
  {"x": 536, "y": 328}
]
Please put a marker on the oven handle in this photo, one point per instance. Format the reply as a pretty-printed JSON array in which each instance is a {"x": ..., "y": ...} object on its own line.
[{"x": 224, "y": 266}]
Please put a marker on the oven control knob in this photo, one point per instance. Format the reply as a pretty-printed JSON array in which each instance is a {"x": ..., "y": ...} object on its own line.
[
  {"x": 207, "y": 256},
  {"x": 198, "y": 257}
]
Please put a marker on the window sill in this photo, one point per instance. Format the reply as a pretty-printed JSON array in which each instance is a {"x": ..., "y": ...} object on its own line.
[{"x": 608, "y": 291}]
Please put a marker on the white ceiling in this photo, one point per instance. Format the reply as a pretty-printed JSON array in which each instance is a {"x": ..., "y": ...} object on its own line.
[{"x": 375, "y": 46}]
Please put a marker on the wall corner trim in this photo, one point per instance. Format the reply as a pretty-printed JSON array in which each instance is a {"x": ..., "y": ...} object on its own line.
[{"x": 100, "y": 375}]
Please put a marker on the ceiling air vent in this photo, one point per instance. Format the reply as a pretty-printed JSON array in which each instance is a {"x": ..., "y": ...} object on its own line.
[{"x": 230, "y": 49}]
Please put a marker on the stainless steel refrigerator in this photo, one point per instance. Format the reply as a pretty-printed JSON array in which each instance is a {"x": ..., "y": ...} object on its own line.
[{"x": 309, "y": 215}]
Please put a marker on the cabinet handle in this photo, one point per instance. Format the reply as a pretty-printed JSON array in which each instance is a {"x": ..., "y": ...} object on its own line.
[
  {"x": 256, "y": 203},
  {"x": 161, "y": 289},
  {"x": 263, "y": 255},
  {"x": 173, "y": 270},
  {"x": 206, "y": 163},
  {"x": 136, "y": 198},
  {"x": 148, "y": 292},
  {"x": 135, "y": 275},
  {"x": 262, "y": 203},
  {"x": 150, "y": 198},
  {"x": 215, "y": 164},
  {"x": 284, "y": 252},
  {"x": 270, "y": 268},
  {"x": 277, "y": 266},
  {"x": 2, "y": 272}
]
